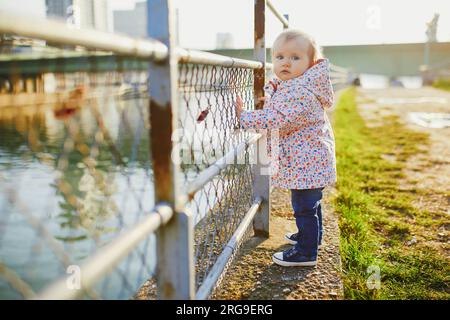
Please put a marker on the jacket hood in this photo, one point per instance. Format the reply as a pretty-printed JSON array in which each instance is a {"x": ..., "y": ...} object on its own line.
[{"x": 316, "y": 80}]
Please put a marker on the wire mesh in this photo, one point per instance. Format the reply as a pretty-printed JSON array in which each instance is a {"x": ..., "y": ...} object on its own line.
[
  {"x": 208, "y": 130},
  {"x": 75, "y": 165},
  {"x": 75, "y": 169}
]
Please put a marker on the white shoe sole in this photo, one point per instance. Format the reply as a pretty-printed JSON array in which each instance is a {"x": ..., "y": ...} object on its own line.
[
  {"x": 289, "y": 240},
  {"x": 294, "y": 242},
  {"x": 294, "y": 264}
]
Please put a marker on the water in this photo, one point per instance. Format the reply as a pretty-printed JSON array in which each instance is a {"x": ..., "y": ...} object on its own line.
[{"x": 113, "y": 196}]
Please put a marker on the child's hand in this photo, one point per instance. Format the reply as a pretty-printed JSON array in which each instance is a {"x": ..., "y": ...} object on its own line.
[
  {"x": 262, "y": 101},
  {"x": 238, "y": 107}
]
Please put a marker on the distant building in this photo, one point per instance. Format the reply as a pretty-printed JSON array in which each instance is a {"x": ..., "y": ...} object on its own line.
[
  {"x": 92, "y": 13},
  {"x": 132, "y": 22},
  {"x": 58, "y": 8},
  {"x": 81, "y": 13},
  {"x": 224, "y": 41}
]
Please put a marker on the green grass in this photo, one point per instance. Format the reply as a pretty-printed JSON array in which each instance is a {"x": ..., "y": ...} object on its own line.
[
  {"x": 376, "y": 217},
  {"x": 442, "y": 84}
]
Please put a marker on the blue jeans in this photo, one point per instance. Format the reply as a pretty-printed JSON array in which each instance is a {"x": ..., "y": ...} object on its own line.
[{"x": 308, "y": 217}]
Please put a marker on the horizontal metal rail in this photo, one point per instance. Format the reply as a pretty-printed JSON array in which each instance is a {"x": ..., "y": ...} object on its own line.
[
  {"x": 59, "y": 32},
  {"x": 339, "y": 75},
  {"x": 337, "y": 68},
  {"x": 108, "y": 257},
  {"x": 277, "y": 14},
  {"x": 338, "y": 81},
  {"x": 208, "y": 174},
  {"x": 216, "y": 271},
  {"x": 98, "y": 62},
  {"x": 201, "y": 57},
  {"x": 438, "y": 65},
  {"x": 335, "y": 74}
]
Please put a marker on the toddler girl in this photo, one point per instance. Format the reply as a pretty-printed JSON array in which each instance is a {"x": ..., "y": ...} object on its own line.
[{"x": 295, "y": 105}]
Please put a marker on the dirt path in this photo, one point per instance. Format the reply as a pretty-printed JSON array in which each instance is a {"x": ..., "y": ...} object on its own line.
[
  {"x": 429, "y": 171},
  {"x": 254, "y": 276}
]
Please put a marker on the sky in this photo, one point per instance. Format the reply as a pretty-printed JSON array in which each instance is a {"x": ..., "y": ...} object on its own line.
[{"x": 330, "y": 22}]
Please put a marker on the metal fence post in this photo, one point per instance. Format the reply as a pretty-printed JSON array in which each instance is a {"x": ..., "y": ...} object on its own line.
[
  {"x": 175, "y": 267},
  {"x": 286, "y": 16},
  {"x": 261, "y": 185}
]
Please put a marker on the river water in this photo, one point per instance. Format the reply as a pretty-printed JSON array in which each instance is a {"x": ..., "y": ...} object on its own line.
[{"x": 39, "y": 150}]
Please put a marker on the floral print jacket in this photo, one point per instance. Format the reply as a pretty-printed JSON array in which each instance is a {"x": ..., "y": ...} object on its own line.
[{"x": 303, "y": 153}]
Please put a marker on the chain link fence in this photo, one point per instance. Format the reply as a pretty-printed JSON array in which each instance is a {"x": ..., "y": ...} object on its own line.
[
  {"x": 208, "y": 132},
  {"x": 75, "y": 163},
  {"x": 76, "y": 170}
]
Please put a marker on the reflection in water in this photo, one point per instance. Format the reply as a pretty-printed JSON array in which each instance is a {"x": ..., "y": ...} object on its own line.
[{"x": 85, "y": 177}]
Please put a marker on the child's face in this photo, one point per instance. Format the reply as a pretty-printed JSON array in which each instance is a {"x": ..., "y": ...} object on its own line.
[{"x": 291, "y": 58}]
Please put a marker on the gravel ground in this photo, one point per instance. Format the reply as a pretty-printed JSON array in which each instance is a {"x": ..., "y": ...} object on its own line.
[
  {"x": 437, "y": 175},
  {"x": 254, "y": 276}
]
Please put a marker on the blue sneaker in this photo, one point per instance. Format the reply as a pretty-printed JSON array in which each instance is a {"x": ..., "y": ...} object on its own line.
[
  {"x": 293, "y": 258},
  {"x": 292, "y": 238}
]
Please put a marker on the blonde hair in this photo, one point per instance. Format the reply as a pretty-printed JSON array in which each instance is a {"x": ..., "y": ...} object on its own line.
[{"x": 315, "y": 52}]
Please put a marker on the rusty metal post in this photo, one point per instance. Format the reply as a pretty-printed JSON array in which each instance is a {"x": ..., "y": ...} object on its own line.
[
  {"x": 175, "y": 244},
  {"x": 261, "y": 187}
]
